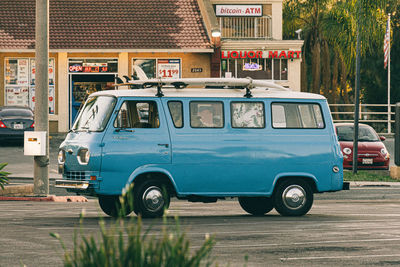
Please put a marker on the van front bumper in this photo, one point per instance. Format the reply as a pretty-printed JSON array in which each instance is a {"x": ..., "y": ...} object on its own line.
[{"x": 71, "y": 184}]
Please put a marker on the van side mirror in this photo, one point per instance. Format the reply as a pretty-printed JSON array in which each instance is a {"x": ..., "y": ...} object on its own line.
[{"x": 382, "y": 138}]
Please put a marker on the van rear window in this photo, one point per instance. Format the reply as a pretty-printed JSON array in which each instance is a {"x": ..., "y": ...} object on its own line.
[{"x": 297, "y": 115}]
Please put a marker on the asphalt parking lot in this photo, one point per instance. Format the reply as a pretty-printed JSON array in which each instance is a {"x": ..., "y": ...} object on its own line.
[{"x": 360, "y": 227}]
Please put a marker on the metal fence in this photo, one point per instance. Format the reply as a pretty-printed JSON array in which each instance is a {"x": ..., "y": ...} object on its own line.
[
  {"x": 246, "y": 27},
  {"x": 379, "y": 116}
]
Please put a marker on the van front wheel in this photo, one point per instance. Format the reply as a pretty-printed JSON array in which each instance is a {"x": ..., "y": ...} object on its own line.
[
  {"x": 293, "y": 197},
  {"x": 256, "y": 205},
  {"x": 151, "y": 198}
]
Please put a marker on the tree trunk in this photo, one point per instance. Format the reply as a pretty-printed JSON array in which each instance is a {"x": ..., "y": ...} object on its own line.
[
  {"x": 316, "y": 66},
  {"x": 304, "y": 81}
]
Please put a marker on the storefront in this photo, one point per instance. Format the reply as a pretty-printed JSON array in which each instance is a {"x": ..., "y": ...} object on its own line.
[
  {"x": 87, "y": 76},
  {"x": 257, "y": 64}
]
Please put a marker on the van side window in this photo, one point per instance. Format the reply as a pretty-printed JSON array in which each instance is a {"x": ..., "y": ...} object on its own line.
[
  {"x": 247, "y": 115},
  {"x": 206, "y": 114},
  {"x": 176, "y": 112},
  {"x": 297, "y": 115},
  {"x": 135, "y": 114}
]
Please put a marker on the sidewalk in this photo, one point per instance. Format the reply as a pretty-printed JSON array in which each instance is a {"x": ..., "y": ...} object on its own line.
[{"x": 21, "y": 166}]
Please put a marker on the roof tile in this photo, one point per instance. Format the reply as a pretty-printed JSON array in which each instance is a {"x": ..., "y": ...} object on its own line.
[{"x": 106, "y": 24}]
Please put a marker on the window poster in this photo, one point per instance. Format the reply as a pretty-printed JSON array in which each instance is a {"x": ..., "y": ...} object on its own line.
[
  {"x": 169, "y": 68},
  {"x": 20, "y": 83}
]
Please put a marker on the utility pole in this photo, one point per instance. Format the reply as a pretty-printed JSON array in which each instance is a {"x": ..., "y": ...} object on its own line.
[
  {"x": 41, "y": 163},
  {"x": 357, "y": 91}
]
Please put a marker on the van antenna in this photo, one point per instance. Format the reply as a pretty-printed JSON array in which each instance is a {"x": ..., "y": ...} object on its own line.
[
  {"x": 159, "y": 87},
  {"x": 248, "y": 88}
]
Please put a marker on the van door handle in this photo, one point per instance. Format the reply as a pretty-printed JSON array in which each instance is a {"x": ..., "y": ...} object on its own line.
[{"x": 166, "y": 145}]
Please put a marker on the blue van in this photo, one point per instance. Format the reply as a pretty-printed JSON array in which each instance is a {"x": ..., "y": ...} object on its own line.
[{"x": 246, "y": 139}]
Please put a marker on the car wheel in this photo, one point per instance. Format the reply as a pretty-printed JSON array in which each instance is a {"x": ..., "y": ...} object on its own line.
[
  {"x": 111, "y": 205},
  {"x": 293, "y": 197},
  {"x": 151, "y": 198},
  {"x": 256, "y": 205}
]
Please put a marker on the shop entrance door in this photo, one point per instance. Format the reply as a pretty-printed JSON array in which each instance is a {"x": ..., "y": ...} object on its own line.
[{"x": 81, "y": 86}]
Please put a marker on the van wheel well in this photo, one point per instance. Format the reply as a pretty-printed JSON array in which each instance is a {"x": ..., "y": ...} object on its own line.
[
  {"x": 163, "y": 178},
  {"x": 307, "y": 180}
]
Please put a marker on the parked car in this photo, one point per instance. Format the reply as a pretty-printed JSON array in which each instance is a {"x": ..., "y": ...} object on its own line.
[
  {"x": 14, "y": 121},
  {"x": 372, "y": 153}
]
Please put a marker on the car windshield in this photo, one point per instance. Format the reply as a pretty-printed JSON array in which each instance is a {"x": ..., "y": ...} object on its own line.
[
  {"x": 365, "y": 133},
  {"x": 16, "y": 113},
  {"x": 95, "y": 114}
]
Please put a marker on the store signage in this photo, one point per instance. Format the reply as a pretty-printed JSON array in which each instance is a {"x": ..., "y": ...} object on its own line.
[
  {"x": 169, "y": 68},
  {"x": 284, "y": 54},
  {"x": 238, "y": 10},
  {"x": 251, "y": 66},
  {"x": 88, "y": 68},
  {"x": 194, "y": 70}
]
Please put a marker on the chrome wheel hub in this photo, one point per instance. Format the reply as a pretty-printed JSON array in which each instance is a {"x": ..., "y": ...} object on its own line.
[
  {"x": 153, "y": 199},
  {"x": 294, "y": 197}
]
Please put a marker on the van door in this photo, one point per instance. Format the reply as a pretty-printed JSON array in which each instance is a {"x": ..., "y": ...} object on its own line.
[{"x": 138, "y": 136}]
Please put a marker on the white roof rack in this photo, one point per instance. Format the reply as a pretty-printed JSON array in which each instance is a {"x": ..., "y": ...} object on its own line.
[{"x": 235, "y": 83}]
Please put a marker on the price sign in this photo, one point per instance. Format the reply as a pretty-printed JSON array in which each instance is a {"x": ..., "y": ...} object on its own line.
[{"x": 169, "y": 68}]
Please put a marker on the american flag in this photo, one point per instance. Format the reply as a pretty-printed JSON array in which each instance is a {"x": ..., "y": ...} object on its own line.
[{"x": 386, "y": 43}]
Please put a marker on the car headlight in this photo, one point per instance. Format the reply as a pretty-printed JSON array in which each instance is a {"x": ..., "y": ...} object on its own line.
[
  {"x": 61, "y": 156},
  {"x": 384, "y": 151},
  {"x": 347, "y": 150},
  {"x": 83, "y": 156}
]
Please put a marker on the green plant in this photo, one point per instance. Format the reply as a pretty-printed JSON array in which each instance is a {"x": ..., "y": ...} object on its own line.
[
  {"x": 125, "y": 244},
  {"x": 3, "y": 175}
]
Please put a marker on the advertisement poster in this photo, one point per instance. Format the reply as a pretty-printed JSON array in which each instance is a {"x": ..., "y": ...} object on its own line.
[
  {"x": 51, "y": 99},
  {"x": 23, "y": 71},
  {"x": 169, "y": 68},
  {"x": 17, "y": 96}
]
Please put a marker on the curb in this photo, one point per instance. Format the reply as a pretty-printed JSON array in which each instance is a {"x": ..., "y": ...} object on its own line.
[{"x": 51, "y": 198}]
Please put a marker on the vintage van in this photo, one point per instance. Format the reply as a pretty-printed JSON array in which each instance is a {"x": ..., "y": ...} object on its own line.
[{"x": 252, "y": 140}]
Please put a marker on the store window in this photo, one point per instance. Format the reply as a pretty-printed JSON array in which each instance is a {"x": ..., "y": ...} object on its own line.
[
  {"x": 258, "y": 68},
  {"x": 20, "y": 83},
  {"x": 156, "y": 68}
]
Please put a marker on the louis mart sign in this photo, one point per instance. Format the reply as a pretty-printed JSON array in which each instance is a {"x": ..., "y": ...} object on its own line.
[{"x": 284, "y": 54}]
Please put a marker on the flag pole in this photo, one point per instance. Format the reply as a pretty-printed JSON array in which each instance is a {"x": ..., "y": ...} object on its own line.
[{"x": 389, "y": 108}]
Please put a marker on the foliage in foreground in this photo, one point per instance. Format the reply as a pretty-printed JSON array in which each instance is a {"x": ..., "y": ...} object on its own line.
[
  {"x": 123, "y": 243},
  {"x": 3, "y": 175},
  {"x": 370, "y": 175}
]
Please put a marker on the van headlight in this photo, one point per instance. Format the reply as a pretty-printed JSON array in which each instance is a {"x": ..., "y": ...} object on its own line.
[
  {"x": 61, "y": 156},
  {"x": 83, "y": 156},
  {"x": 347, "y": 150}
]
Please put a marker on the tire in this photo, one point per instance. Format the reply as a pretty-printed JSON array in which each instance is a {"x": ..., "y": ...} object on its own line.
[
  {"x": 111, "y": 206},
  {"x": 293, "y": 197},
  {"x": 151, "y": 198},
  {"x": 257, "y": 206}
]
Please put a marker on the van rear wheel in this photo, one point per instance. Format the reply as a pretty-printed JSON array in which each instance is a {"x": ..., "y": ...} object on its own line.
[
  {"x": 293, "y": 197},
  {"x": 151, "y": 198},
  {"x": 256, "y": 205},
  {"x": 111, "y": 205}
]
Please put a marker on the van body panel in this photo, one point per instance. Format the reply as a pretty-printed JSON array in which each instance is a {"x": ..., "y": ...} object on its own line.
[{"x": 125, "y": 151}]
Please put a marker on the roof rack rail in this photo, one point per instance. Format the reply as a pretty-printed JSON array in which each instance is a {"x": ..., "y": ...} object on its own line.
[{"x": 228, "y": 83}]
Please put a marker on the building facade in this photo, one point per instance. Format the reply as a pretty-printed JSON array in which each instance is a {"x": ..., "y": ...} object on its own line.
[{"x": 92, "y": 42}]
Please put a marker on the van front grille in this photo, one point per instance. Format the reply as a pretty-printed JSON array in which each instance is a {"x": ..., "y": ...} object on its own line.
[{"x": 76, "y": 175}]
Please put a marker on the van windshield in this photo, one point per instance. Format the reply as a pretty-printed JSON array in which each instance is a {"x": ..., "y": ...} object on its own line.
[{"x": 95, "y": 114}]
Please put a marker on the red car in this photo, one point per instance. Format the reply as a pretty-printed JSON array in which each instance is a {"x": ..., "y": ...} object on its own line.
[{"x": 372, "y": 153}]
